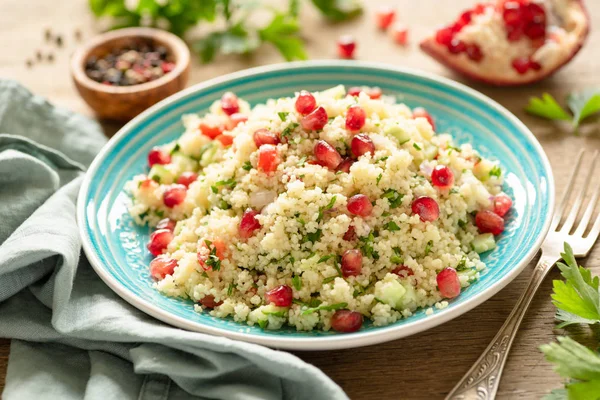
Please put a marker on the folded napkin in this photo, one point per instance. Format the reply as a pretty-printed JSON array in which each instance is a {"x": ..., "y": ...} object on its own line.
[{"x": 73, "y": 338}]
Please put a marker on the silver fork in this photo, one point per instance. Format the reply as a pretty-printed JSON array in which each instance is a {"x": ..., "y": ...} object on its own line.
[{"x": 483, "y": 379}]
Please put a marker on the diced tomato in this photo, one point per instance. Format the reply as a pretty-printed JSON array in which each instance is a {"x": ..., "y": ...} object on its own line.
[
  {"x": 212, "y": 131},
  {"x": 226, "y": 140}
]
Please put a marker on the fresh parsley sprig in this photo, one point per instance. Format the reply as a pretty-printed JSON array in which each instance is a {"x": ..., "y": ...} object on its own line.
[{"x": 582, "y": 104}]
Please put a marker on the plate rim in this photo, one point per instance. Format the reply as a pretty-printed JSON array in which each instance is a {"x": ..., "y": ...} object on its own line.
[{"x": 333, "y": 342}]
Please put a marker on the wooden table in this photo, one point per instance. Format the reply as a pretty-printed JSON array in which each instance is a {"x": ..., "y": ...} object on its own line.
[{"x": 421, "y": 367}]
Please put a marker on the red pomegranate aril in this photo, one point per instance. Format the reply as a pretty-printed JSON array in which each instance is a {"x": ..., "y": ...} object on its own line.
[
  {"x": 212, "y": 131},
  {"x": 161, "y": 267},
  {"x": 362, "y": 144},
  {"x": 281, "y": 296},
  {"x": 226, "y": 140},
  {"x": 208, "y": 301},
  {"x": 479, "y": 8},
  {"x": 444, "y": 36},
  {"x": 384, "y": 16},
  {"x": 464, "y": 19},
  {"x": 235, "y": 120},
  {"x": 448, "y": 283},
  {"x": 268, "y": 159},
  {"x": 535, "y": 31},
  {"x": 512, "y": 14},
  {"x": 474, "y": 52},
  {"x": 305, "y": 103},
  {"x": 355, "y": 118},
  {"x": 249, "y": 223},
  {"x": 315, "y": 121},
  {"x": 166, "y": 223},
  {"x": 159, "y": 240},
  {"x": 534, "y": 65},
  {"x": 399, "y": 33},
  {"x": 346, "y": 46},
  {"x": 354, "y": 91},
  {"x": 521, "y": 65},
  {"x": 403, "y": 271},
  {"x": 327, "y": 155},
  {"x": 427, "y": 208},
  {"x": 502, "y": 204},
  {"x": 360, "y": 205},
  {"x": 345, "y": 165},
  {"x": 514, "y": 33},
  {"x": 536, "y": 13},
  {"x": 265, "y": 136},
  {"x": 174, "y": 196},
  {"x": 229, "y": 103},
  {"x": 420, "y": 112},
  {"x": 350, "y": 234},
  {"x": 374, "y": 93},
  {"x": 346, "y": 321},
  {"x": 489, "y": 222},
  {"x": 442, "y": 177},
  {"x": 351, "y": 263},
  {"x": 158, "y": 156},
  {"x": 457, "y": 46},
  {"x": 187, "y": 178}
]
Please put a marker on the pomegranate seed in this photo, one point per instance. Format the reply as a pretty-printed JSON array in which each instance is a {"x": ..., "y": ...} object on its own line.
[
  {"x": 235, "y": 120},
  {"x": 166, "y": 223},
  {"x": 502, "y": 204},
  {"x": 327, "y": 155},
  {"x": 305, "y": 103},
  {"x": 457, "y": 46},
  {"x": 226, "y": 140},
  {"x": 474, "y": 52},
  {"x": 350, "y": 234},
  {"x": 360, "y": 205},
  {"x": 351, "y": 263},
  {"x": 161, "y": 267},
  {"x": 265, "y": 136},
  {"x": 355, "y": 118},
  {"x": 521, "y": 65},
  {"x": 442, "y": 177},
  {"x": 167, "y": 67},
  {"x": 512, "y": 13},
  {"x": 268, "y": 159},
  {"x": 362, "y": 144},
  {"x": 536, "y": 14},
  {"x": 148, "y": 184},
  {"x": 384, "y": 17},
  {"x": 488, "y": 221},
  {"x": 399, "y": 33},
  {"x": 345, "y": 165},
  {"x": 281, "y": 296},
  {"x": 374, "y": 93},
  {"x": 187, "y": 178},
  {"x": 444, "y": 36},
  {"x": 346, "y": 321},
  {"x": 420, "y": 112},
  {"x": 514, "y": 33},
  {"x": 174, "y": 196},
  {"x": 346, "y": 46},
  {"x": 208, "y": 301},
  {"x": 212, "y": 131},
  {"x": 463, "y": 20},
  {"x": 249, "y": 223},
  {"x": 229, "y": 103},
  {"x": 479, "y": 8},
  {"x": 315, "y": 121},
  {"x": 354, "y": 91},
  {"x": 534, "y": 65},
  {"x": 316, "y": 162},
  {"x": 158, "y": 156},
  {"x": 427, "y": 208},
  {"x": 403, "y": 271},
  {"x": 159, "y": 240},
  {"x": 535, "y": 31},
  {"x": 448, "y": 283}
]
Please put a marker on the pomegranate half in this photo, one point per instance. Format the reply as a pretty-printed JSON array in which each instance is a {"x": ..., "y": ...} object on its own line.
[{"x": 511, "y": 42}]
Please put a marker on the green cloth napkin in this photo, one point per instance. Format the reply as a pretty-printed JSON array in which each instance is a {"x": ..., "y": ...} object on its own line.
[{"x": 73, "y": 338}]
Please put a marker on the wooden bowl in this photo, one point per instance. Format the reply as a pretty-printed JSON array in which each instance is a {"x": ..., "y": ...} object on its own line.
[{"x": 125, "y": 102}]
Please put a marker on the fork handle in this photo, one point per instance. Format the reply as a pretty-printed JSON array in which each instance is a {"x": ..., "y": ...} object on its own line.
[{"x": 483, "y": 379}]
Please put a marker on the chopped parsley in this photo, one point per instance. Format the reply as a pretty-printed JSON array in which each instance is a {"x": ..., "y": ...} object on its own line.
[
  {"x": 143, "y": 215},
  {"x": 230, "y": 289},
  {"x": 366, "y": 246},
  {"x": 397, "y": 257},
  {"x": 330, "y": 279},
  {"x": 155, "y": 178},
  {"x": 175, "y": 149},
  {"x": 391, "y": 226},
  {"x": 428, "y": 247},
  {"x": 385, "y": 214},
  {"x": 329, "y": 206},
  {"x": 383, "y": 159},
  {"x": 292, "y": 260},
  {"x": 297, "y": 282},
  {"x": 288, "y": 131},
  {"x": 302, "y": 161},
  {"x": 358, "y": 291},
  {"x": 223, "y": 205},
  {"x": 394, "y": 198},
  {"x": 326, "y": 258},
  {"x": 332, "y": 307},
  {"x": 379, "y": 178},
  {"x": 313, "y": 237},
  {"x": 247, "y": 166},
  {"x": 159, "y": 213},
  {"x": 214, "y": 189},
  {"x": 496, "y": 171},
  {"x": 204, "y": 274},
  {"x": 416, "y": 146},
  {"x": 274, "y": 313},
  {"x": 212, "y": 261},
  {"x": 263, "y": 323},
  {"x": 283, "y": 115},
  {"x": 228, "y": 182},
  {"x": 450, "y": 148},
  {"x": 462, "y": 264},
  {"x": 311, "y": 303},
  {"x": 462, "y": 223}
]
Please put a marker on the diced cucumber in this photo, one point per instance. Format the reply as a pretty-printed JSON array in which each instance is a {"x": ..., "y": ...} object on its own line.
[
  {"x": 337, "y": 92},
  {"x": 184, "y": 162},
  {"x": 209, "y": 155},
  {"x": 430, "y": 152},
  {"x": 409, "y": 297},
  {"x": 390, "y": 293},
  {"x": 398, "y": 133},
  {"x": 483, "y": 242},
  {"x": 161, "y": 174},
  {"x": 482, "y": 169}
]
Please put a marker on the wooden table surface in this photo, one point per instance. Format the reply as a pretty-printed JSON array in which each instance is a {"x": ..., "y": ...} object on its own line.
[{"x": 420, "y": 367}]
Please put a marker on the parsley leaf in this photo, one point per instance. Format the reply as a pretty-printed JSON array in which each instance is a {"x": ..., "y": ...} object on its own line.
[
  {"x": 396, "y": 258},
  {"x": 213, "y": 261},
  {"x": 331, "y": 307},
  {"x": 416, "y": 146},
  {"x": 313, "y": 237},
  {"x": 577, "y": 362},
  {"x": 339, "y": 10},
  {"x": 366, "y": 246},
  {"x": 282, "y": 115},
  {"x": 547, "y": 107},
  {"x": 288, "y": 131},
  {"x": 391, "y": 226},
  {"x": 247, "y": 166},
  {"x": 326, "y": 258},
  {"x": 329, "y": 206},
  {"x": 496, "y": 171},
  {"x": 428, "y": 247},
  {"x": 394, "y": 198},
  {"x": 282, "y": 32},
  {"x": 577, "y": 298},
  {"x": 379, "y": 178},
  {"x": 297, "y": 282},
  {"x": 584, "y": 104}
]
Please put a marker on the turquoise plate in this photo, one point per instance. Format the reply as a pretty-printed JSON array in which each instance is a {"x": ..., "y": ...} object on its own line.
[{"x": 116, "y": 246}]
